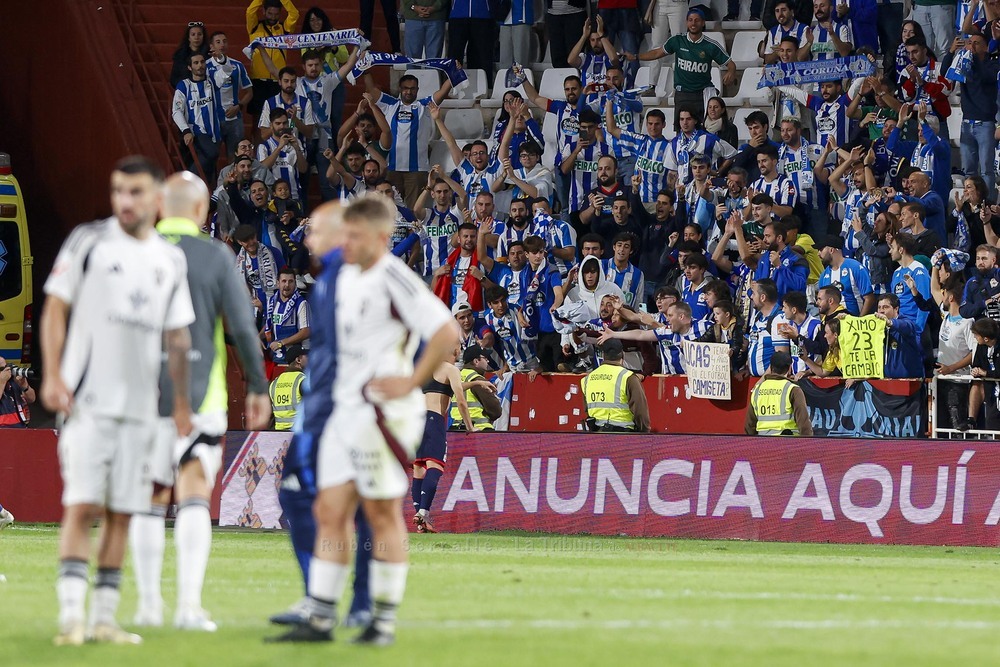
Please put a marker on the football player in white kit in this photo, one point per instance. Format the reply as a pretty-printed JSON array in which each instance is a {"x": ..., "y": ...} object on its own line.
[
  {"x": 383, "y": 311},
  {"x": 127, "y": 291},
  {"x": 219, "y": 296}
]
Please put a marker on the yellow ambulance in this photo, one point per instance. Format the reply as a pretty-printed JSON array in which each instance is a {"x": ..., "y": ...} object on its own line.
[{"x": 15, "y": 271}]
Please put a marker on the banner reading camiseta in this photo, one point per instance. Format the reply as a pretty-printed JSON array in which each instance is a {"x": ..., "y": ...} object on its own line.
[{"x": 780, "y": 489}]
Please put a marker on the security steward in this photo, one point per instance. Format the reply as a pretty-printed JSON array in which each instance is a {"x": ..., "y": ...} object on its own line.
[
  {"x": 614, "y": 396},
  {"x": 777, "y": 405},
  {"x": 480, "y": 394},
  {"x": 286, "y": 389}
]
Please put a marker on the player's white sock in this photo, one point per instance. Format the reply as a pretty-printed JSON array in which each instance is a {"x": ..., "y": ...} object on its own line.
[
  {"x": 327, "y": 581},
  {"x": 148, "y": 540},
  {"x": 71, "y": 589},
  {"x": 193, "y": 536},
  {"x": 387, "y": 585},
  {"x": 104, "y": 601}
]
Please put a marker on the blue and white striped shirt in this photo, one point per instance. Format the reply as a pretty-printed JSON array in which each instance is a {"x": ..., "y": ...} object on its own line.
[
  {"x": 230, "y": 78},
  {"x": 567, "y": 124},
  {"x": 810, "y": 330},
  {"x": 284, "y": 166},
  {"x": 630, "y": 280},
  {"x": 558, "y": 234},
  {"x": 853, "y": 281},
  {"x": 475, "y": 181},
  {"x": 781, "y": 190},
  {"x": 303, "y": 109},
  {"x": 319, "y": 92},
  {"x": 584, "y": 173},
  {"x": 516, "y": 342},
  {"x": 594, "y": 68},
  {"x": 797, "y": 164},
  {"x": 411, "y": 127},
  {"x": 762, "y": 335},
  {"x": 683, "y": 147},
  {"x": 196, "y": 108},
  {"x": 671, "y": 346},
  {"x": 627, "y": 110},
  {"x": 649, "y": 162},
  {"x": 436, "y": 231}
]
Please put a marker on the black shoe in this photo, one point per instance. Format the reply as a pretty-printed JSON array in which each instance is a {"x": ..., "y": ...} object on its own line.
[
  {"x": 302, "y": 632},
  {"x": 731, "y": 17},
  {"x": 372, "y": 636},
  {"x": 967, "y": 425}
]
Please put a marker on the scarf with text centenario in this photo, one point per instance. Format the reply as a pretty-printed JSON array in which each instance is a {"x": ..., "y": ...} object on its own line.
[
  {"x": 451, "y": 68},
  {"x": 311, "y": 40}
]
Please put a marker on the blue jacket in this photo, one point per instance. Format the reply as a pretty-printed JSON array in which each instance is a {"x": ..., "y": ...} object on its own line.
[
  {"x": 789, "y": 276},
  {"x": 470, "y": 9},
  {"x": 903, "y": 356}
]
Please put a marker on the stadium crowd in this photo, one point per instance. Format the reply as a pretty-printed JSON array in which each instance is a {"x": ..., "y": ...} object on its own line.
[{"x": 582, "y": 215}]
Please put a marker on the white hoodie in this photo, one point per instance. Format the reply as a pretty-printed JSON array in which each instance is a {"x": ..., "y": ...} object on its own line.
[{"x": 593, "y": 297}]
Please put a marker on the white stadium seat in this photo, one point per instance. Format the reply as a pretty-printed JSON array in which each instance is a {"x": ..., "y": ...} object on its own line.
[
  {"x": 473, "y": 90},
  {"x": 495, "y": 100},
  {"x": 718, "y": 37},
  {"x": 739, "y": 120},
  {"x": 551, "y": 85},
  {"x": 744, "y": 51},
  {"x": 429, "y": 80},
  {"x": 748, "y": 93},
  {"x": 439, "y": 154},
  {"x": 465, "y": 124}
]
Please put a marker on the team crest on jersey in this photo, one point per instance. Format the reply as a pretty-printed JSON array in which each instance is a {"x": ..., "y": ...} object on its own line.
[
  {"x": 138, "y": 299},
  {"x": 899, "y": 289}
]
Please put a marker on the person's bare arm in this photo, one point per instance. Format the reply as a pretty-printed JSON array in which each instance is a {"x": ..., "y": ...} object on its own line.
[
  {"x": 442, "y": 92},
  {"x": 574, "y": 58},
  {"x": 609, "y": 121},
  {"x": 455, "y": 380},
  {"x": 446, "y": 135},
  {"x": 177, "y": 343},
  {"x": 56, "y": 396},
  {"x": 386, "y": 137}
]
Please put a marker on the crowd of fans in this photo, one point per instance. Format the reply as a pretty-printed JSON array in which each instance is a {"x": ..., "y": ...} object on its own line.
[{"x": 844, "y": 199}]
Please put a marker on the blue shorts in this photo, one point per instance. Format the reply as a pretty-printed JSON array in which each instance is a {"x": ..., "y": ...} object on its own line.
[{"x": 433, "y": 446}]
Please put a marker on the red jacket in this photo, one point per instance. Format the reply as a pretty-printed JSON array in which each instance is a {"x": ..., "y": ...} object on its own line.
[{"x": 935, "y": 86}]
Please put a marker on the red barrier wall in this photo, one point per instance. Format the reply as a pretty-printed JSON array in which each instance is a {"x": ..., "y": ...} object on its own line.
[
  {"x": 795, "y": 490},
  {"x": 30, "y": 485},
  {"x": 555, "y": 403}
]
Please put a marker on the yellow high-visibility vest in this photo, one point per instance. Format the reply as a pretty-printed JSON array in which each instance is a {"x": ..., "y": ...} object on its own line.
[
  {"x": 479, "y": 419},
  {"x": 772, "y": 403},
  {"x": 604, "y": 391},
  {"x": 286, "y": 394}
]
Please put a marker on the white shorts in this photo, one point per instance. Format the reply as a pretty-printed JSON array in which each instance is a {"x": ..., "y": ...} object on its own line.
[
  {"x": 169, "y": 450},
  {"x": 105, "y": 461},
  {"x": 360, "y": 446}
]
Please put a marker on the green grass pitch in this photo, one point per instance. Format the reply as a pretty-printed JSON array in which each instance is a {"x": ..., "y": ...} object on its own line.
[{"x": 522, "y": 599}]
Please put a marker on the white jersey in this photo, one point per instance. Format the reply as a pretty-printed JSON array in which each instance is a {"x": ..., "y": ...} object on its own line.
[
  {"x": 411, "y": 126},
  {"x": 382, "y": 315},
  {"x": 319, "y": 92},
  {"x": 124, "y": 293}
]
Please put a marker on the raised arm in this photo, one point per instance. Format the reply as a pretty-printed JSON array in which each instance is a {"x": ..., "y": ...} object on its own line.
[
  {"x": 443, "y": 91},
  {"x": 536, "y": 99},
  {"x": 609, "y": 121},
  {"x": 384, "y": 139},
  {"x": 574, "y": 58},
  {"x": 446, "y": 135}
]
